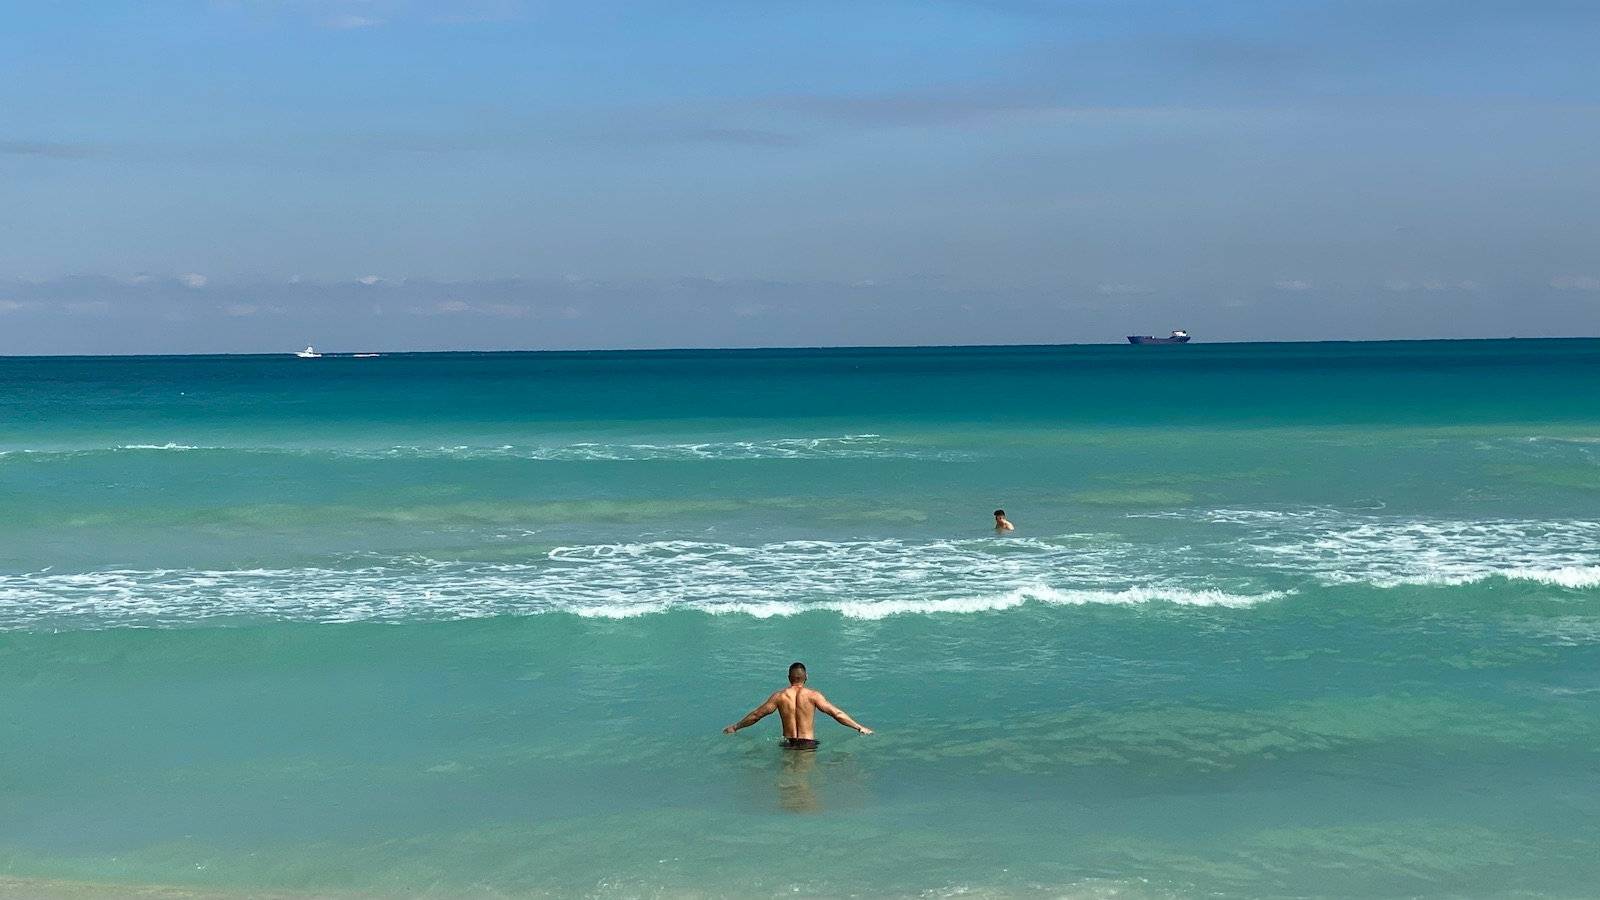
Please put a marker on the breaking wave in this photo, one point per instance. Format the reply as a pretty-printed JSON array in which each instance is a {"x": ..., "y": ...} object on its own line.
[
  {"x": 1224, "y": 559},
  {"x": 859, "y": 580},
  {"x": 1335, "y": 547}
]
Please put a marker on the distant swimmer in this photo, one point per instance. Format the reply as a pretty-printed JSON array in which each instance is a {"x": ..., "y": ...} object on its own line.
[
  {"x": 797, "y": 706},
  {"x": 1001, "y": 523}
]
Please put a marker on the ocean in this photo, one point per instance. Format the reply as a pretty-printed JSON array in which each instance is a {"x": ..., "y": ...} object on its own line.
[{"x": 1277, "y": 620}]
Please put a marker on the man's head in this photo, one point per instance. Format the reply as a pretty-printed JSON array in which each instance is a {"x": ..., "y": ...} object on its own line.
[
  {"x": 797, "y": 673},
  {"x": 999, "y": 514}
]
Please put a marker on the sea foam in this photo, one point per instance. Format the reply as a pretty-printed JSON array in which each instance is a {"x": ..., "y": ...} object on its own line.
[
  {"x": 1245, "y": 560},
  {"x": 854, "y": 579},
  {"x": 1336, "y": 547},
  {"x": 848, "y": 446}
]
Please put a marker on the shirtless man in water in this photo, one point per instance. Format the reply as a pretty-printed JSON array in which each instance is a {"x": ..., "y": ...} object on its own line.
[{"x": 797, "y": 706}]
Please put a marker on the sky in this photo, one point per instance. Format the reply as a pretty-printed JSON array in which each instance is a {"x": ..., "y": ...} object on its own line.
[{"x": 193, "y": 176}]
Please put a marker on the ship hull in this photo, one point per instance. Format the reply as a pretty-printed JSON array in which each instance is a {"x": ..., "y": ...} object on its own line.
[{"x": 1147, "y": 339}]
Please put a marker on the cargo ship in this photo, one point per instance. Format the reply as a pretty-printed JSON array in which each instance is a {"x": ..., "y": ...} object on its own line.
[{"x": 1178, "y": 337}]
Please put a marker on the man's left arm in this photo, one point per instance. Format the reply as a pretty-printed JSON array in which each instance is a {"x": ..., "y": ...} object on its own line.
[
  {"x": 755, "y": 715},
  {"x": 839, "y": 715}
]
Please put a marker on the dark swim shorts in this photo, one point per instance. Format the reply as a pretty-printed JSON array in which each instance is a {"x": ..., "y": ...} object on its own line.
[{"x": 798, "y": 744}]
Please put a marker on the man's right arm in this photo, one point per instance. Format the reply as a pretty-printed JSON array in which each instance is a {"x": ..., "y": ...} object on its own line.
[{"x": 755, "y": 715}]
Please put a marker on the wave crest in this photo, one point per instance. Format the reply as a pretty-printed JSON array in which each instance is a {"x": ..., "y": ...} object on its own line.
[
  {"x": 858, "y": 580},
  {"x": 849, "y": 446},
  {"x": 1335, "y": 547}
]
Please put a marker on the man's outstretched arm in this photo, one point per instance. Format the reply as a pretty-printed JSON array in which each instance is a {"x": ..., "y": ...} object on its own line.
[
  {"x": 839, "y": 715},
  {"x": 755, "y": 715}
]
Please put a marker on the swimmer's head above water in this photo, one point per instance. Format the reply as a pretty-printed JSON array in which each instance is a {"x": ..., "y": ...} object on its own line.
[
  {"x": 1001, "y": 523},
  {"x": 797, "y": 673}
]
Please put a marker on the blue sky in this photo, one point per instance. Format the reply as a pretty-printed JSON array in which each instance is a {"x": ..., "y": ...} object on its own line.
[{"x": 252, "y": 175}]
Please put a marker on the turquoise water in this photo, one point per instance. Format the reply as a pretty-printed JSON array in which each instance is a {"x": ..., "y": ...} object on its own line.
[{"x": 1277, "y": 619}]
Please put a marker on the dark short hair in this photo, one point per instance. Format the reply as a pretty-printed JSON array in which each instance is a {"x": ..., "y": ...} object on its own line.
[
  {"x": 797, "y": 669},
  {"x": 999, "y": 512}
]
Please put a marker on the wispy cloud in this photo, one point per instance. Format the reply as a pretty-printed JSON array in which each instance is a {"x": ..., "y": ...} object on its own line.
[
  {"x": 747, "y": 137},
  {"x": 343, "y": 21},
  {"x": 358, "y": 14},
  {"x": 1120, "y": 289},
  {"x": 46, "y": 149},
  {"x": 193, "y": 280},
  {"x": 638, "y": 130},
  {"x": 268, "y": 314},
  {"x": 1575, "y": 283},
  {"x": 1430, "y": 285},
  {"x": 1293, "y": 284},
  {"x": 459, "y": 307},
  {"x": 925, "y": 107},
  {"x": 982, "y": 104},
  {"x": 507, "y": 310}
]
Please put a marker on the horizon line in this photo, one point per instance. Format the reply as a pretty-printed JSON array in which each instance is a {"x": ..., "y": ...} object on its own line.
[{"x": 793, "y": 347}]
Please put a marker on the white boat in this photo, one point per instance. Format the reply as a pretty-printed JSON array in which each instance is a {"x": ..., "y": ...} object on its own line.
[{"x": 309, "y": 353}]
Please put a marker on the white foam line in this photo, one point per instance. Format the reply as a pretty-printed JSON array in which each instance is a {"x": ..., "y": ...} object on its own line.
[
  {"x": 850, "y": 446},
  {"x": 882, "y": 609},
  {"x": 855, "y": 579},
  {"x": 1575, "y": 577},
  {"x": 863, "y": 580},
  {"x": 1335, "y": 547}
]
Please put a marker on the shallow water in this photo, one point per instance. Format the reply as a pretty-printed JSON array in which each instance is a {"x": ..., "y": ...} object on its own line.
[{"x": 1278, "y": 619}]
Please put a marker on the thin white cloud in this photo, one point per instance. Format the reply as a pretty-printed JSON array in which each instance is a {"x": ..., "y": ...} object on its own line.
[
  {"x": 506, "y": 310},
  {"x": 241, "y": 309},
  {"x": 457, "y": 307},
  {"x": 11, "y": 306},
  {"x": 347, "y": 21},
  {"x": 1120, "y": 289},
  {"x": 1403, "y": 286},
  {"x": 1575, "y": 283},
  {"x": 193, "y": 280},
  {"x": 1293, "y": 284},
  {"x": 46, "y": 149},
  {"x": 369, "y": 279}
]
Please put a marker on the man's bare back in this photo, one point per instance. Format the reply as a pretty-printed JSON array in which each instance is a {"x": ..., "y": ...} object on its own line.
[{"x": 797, "y": 705}]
